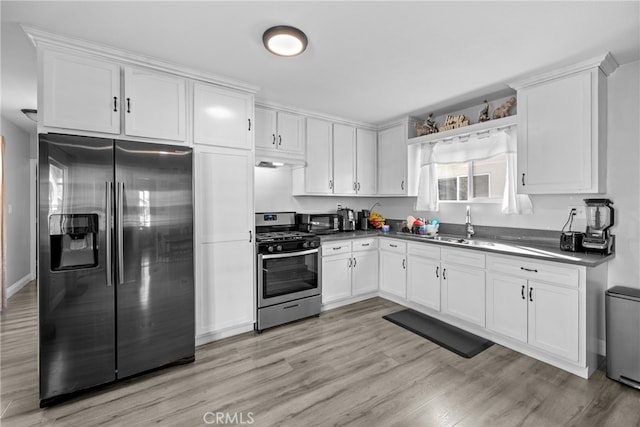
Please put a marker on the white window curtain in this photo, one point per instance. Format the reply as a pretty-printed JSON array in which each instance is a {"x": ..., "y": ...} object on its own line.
[{"x": 477, "y": 147}]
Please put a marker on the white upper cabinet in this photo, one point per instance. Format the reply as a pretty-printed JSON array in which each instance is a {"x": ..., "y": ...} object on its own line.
[
  {"x": 318, "y": 174},
  {"x": 79, "y": 92},
  {"x": 562, "y": 119},
  {"x": 366, "y": 161},
  {"x": 155, "y": 104},
  {"x": 392, "y": 161},
  {"x": 222, "y": 117},
  {"x": 398, "y": 164},
  {"x": 344, "y": 159},
  {"x": 279, "y": 131}
]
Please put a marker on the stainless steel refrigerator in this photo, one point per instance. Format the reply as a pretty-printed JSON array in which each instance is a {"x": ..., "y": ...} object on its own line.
[{"x": 116, "y": 288}]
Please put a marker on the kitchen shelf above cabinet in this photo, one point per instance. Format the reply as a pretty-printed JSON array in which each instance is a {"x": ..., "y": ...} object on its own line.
[{"x": 466, "y": 131}]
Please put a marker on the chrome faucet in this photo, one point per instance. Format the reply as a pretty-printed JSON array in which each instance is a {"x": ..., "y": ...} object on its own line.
[{"x": 468, "y": 225}]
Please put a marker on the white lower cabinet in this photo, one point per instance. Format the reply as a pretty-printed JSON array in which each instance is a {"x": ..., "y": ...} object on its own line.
[
  {"x": 349, "y": 269},
  {"x": 393, "y": 267},
  {"x": 423, "y": 275},
  {"x": 224, "y": 291},
  {"x": 542, "y": 315},
  {"x": 463, "y": 282},
  {"x": 365, "y": 266}
]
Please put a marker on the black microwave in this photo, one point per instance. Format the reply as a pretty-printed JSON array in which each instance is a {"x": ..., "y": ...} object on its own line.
[{"x": 317, "y": 223}]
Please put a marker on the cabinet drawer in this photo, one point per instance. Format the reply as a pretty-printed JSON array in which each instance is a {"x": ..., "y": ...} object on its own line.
[
  {"x": 533, "y": 270},
  {"x": 334, "y": 248},
  {"x": 424, "y": 250},
  {"x": 467, "y": 258},
  {"x": 397, "y": 246},
  {"x": 365, "y": 244}
]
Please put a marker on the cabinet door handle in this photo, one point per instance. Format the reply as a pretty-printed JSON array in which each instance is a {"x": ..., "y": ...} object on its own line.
[
  {"x": 250, "y": 236},
  {"x": 444, "y": 273},
  {"x": 279, "y": 140},
  {"x": 523, "y": 184},
  {"x": 115, "y": 104},
  {"x": 274, "y": 138},
  {"x": 354, "y": 263},
  {"x": 532, "y": 270},
  {"x": 330, "y": 185},
  {"x": 531, "y": 294},
  {"x": 437, "y": 270},
  {"x": 358, "y": 187},
  {"x": 249, "y": 124},
  {"x": 354, "y": 186},
  {"x": 128, "y": 105},
  {"x": 349, "y": 263},
  {"x": 402, "y": 185},
  {"x": 404, "y": 263},
  {"x": 522, "y": 292}
]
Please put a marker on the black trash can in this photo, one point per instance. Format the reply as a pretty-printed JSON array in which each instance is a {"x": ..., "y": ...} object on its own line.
[{"x": 623, "y": 335}]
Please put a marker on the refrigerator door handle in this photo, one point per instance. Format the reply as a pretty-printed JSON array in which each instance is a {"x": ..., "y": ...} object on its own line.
[
  {"x": 120, "y": 208},
  {"x": 109, "y": 232}
]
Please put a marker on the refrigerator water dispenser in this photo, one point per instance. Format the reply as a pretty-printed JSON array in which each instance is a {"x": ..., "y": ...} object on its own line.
[{"x": 74, "y": 241}]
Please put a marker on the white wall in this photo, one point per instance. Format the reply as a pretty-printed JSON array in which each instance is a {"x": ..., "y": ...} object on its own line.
[
  {"x": 273, "y": 188},
  {"x": 17, "y": 176}
]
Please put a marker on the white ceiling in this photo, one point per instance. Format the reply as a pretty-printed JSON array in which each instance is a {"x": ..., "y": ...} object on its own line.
[{"x": 368, "y": 61}]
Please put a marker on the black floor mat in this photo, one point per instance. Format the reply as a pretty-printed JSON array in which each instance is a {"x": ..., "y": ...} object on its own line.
[{"x": 453, "y": 339}]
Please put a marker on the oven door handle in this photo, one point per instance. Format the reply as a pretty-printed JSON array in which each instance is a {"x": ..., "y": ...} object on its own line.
[{"x": 290, "y": 254}]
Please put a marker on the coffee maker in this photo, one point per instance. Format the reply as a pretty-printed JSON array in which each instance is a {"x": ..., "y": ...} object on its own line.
[
  {"x": 346, "y": 219},
  {"x": 600, "y": 219}
]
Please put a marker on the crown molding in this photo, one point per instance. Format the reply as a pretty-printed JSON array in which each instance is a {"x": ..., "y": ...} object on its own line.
[
  {"x": 605, "y": 62},
  {"x": 43, "y": 38}
]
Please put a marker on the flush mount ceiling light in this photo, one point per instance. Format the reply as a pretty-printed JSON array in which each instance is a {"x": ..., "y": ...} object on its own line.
[
  {"x": 284, "y": 40},
  {"x": 30, "y": 113}
]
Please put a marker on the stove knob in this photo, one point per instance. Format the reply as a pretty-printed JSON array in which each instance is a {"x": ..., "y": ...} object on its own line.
[
  {"x": 305, "y": 244},
  {"x": 313, "y": 244},
  {"x": 270, "y": 248},
  {"x": 279, "y": 248}
]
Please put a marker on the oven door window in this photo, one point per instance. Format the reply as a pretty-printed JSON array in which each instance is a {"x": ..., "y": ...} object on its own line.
[{"x": 289, "y": 275}]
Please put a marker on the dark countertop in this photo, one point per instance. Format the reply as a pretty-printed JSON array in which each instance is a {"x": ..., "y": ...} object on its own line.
[{"x": 524, "y": 248}]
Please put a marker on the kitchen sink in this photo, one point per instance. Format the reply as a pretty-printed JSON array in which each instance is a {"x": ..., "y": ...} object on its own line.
[{"x": 455, "y": 240}]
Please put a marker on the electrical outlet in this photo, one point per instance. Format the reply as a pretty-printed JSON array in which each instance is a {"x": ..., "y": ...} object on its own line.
[{"x": 580, "y": 211}]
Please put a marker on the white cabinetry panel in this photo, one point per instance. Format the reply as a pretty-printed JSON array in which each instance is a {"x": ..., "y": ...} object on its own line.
[
  {"x": 81, "y": 93},
  {"x": 155, "y": 104},
  {"x": 222, "y": 117}
]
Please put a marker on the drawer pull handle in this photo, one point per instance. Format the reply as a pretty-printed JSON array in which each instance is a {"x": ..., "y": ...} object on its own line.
[
  {"x": 392, "y": 245},
  {"x": 366, "y": 244},
  {"x": 532, "y": 270},
  {"x": 522, "y": 293},
  {"x": 291, "y": 306},
  {"x": 337, "y": 248},
  {"x": 531, "y": 294}
]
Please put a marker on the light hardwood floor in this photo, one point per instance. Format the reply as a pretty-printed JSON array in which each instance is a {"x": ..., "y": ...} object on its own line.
[{"x": 348, "y": 367}]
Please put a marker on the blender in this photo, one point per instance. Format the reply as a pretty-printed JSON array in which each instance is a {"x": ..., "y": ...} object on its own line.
[{"x": 599, "y": 220}]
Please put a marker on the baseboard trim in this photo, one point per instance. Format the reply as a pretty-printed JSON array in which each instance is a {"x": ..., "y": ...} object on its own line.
[
  {"x": 209, "y": 337},
  {"x": 13, "y": 289}
]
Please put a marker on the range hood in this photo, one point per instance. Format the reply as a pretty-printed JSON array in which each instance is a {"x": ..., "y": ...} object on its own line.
[{"x": 268, "y": 160}]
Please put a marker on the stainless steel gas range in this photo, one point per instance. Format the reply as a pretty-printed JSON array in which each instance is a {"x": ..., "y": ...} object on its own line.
[{"x": 288, "y": 269}]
